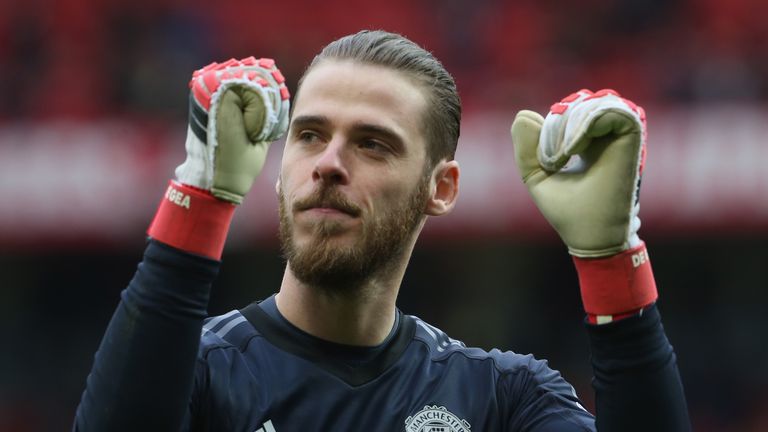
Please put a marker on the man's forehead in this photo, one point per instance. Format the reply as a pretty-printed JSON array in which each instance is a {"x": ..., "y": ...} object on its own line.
[
  {"x": 349, "y": 90},
  {"x": 361, "y": 78}
]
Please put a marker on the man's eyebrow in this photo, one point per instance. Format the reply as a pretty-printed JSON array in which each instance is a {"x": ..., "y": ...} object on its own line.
[
  {"x": 309, "y": 120},
  {"x": 360, "y": 127},
  {"x": 388, "y": 134}
]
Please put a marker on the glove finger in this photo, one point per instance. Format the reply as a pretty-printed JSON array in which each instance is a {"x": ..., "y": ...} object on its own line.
[
  {"x": 277, "y": 96},
  {"x": 255, "y": 115},
  {"x": 614, "y": 159},
  {"x": 525, "y": 132},
  {"x": 240, "y": 160},
  {"x": 601, "y": 114},
  {"x": 266, "y": 70},
  {"x": 607, "y": 128},
  {"x": 613, "y": 121},
  {"x": 254, "y": 112}
]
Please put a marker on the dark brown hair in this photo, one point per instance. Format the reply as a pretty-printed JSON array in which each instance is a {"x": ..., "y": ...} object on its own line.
[{"x": 376, "y": 47}]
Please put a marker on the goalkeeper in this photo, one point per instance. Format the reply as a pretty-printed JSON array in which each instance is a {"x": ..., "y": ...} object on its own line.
[{"x": 369, "y": 155}]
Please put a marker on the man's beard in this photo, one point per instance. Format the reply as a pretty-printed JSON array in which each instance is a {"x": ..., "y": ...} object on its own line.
[{"x": 341, "y": 269}]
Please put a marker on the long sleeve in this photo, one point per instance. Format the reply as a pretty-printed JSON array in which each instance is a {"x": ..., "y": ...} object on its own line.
[
  {"x": 143, "y": 371},
  {"x": 636, "y": 380}
]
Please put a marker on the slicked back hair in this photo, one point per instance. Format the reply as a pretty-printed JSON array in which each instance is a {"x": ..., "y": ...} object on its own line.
[{"x": 375, "y": 47}]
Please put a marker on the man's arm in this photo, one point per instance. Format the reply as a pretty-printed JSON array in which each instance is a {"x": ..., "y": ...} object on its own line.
[
  {"x": 636, "y": 380},
  {"x": 582, "y": 166},
  {"x": 143, "y": 371},
  {"x": 142, "y": 374}
]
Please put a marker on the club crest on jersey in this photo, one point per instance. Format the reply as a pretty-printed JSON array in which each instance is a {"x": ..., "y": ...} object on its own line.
[{"x": 435, "y": 419}]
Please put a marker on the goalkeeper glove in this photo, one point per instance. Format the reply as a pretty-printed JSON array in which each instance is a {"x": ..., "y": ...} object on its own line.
[
  {"x": 236, "y": 109},
  {"x": 582, "y": 166}
]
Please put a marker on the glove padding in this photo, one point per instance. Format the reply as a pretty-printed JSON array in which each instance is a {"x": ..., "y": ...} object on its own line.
[
  {"x": 236, "y": 109},
  {"x": 582, "y": 166}
]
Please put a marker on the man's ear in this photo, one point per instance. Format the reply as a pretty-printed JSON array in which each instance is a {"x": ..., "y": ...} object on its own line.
[{"x": 444, "y": 188}]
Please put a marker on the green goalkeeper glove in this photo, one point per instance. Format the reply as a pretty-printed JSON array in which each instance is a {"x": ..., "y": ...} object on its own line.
[
  {"x": 236, "y": 109},
  {"x": 582, "y": 166}
]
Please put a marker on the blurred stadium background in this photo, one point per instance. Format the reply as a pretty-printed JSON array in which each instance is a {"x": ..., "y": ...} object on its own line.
[{"x": 92, "y": 119}]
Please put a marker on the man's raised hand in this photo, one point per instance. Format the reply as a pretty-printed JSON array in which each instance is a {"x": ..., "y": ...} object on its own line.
[
  {"x": 236, "y": 109},
  {"x": 582, "y": 166}
]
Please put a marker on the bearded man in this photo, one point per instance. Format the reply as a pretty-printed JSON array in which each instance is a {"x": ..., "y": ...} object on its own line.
[{"x": 369, "y": 155}]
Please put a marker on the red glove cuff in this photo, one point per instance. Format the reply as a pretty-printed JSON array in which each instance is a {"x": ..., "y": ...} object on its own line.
[
  {"x": 192, "y": 220},
  {"x": 616, "y": 286}
]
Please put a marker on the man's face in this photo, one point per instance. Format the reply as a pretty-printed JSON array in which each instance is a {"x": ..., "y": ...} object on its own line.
[{"x": 353, "y": 184}]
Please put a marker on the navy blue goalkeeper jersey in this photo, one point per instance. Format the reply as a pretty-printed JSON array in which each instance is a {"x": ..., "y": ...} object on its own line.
[
  {"x": 163, "y": 365},
  {"x": 255, "y": 368}
]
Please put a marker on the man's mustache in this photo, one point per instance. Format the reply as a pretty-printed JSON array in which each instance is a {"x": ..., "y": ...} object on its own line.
[{"x": 327, "y": 197}]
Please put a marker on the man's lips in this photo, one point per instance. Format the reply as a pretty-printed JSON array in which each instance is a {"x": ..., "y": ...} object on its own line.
[
  {"x": 327, "y": 208},
  {"x": 328, "y": 211}
]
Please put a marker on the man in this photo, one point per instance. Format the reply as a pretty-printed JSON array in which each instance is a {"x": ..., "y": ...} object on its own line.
[{"x": 368, "y": 156}]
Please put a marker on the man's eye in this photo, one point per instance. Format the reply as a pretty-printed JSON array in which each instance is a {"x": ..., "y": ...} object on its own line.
[
  {"x": 373, "y": 145},
  {"x": 308, "y": 137}
]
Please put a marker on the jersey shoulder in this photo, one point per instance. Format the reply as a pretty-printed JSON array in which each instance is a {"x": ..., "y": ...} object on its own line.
[
  {"x": 227, "y": 331},
  {"x": 443, "y": 347},
  {"x": 529, "y": 387}
]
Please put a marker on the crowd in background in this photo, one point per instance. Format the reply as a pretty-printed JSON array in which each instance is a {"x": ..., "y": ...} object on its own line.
[{"x": 90, "y": 58}]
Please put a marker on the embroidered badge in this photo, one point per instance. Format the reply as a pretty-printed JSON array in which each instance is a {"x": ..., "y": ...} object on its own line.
[{"x": 435, "y": 419}]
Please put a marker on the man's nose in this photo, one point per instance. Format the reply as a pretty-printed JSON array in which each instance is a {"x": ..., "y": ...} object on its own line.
[{"x": 330, "y": 166}]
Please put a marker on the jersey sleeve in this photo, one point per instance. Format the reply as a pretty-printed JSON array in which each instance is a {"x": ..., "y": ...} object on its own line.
[
  {"x": 538, "y": 399},
  {"x": 143, "y": 371},
  {"x": 636, "y": 379}
]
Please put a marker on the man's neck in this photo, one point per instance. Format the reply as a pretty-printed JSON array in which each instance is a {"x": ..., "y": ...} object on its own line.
[{"x": 363, "y": 317}]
